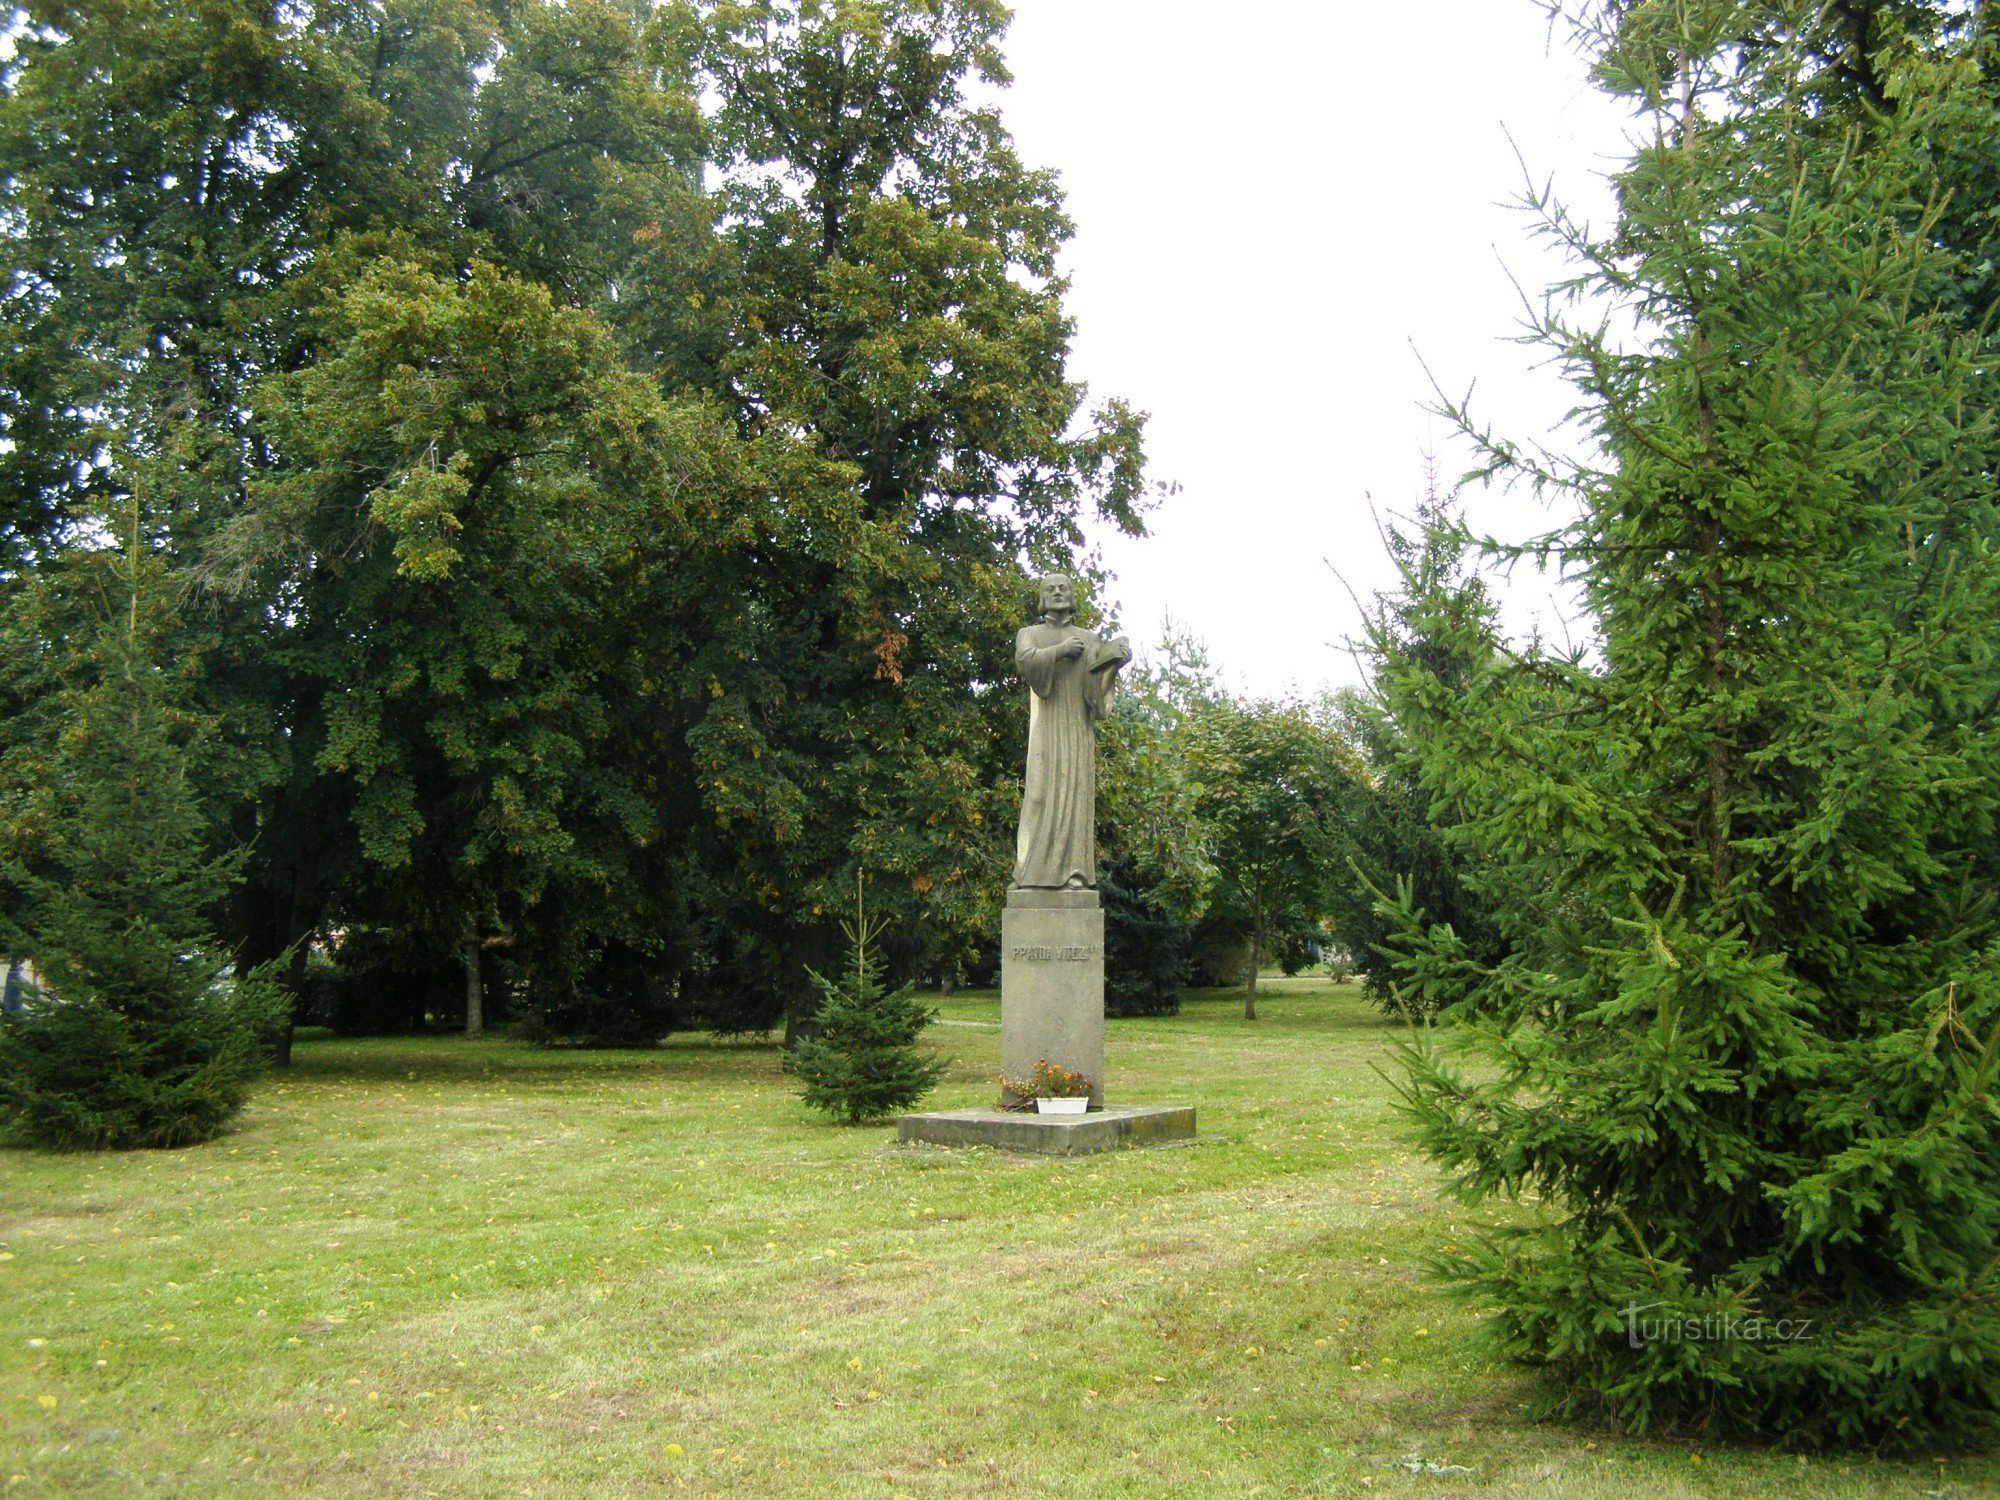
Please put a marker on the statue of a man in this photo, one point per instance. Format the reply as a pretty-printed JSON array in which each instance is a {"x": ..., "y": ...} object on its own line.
[{"x": 1070, "y": 674}]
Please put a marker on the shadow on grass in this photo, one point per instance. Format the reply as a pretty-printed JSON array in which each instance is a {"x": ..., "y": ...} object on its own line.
[
  {"x": 1325, "y": 1009},
  {"x": 440, "y": 1057}
]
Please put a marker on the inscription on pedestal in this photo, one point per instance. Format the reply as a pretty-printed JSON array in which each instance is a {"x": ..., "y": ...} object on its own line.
[{"x": 1075, "y": 953}]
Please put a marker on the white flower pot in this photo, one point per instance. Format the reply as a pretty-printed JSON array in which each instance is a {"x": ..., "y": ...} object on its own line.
[{"x": 1061, "y": 1106}]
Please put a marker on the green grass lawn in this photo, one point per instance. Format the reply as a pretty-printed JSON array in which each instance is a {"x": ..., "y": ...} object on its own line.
[{"x": 434, "y": 1267}]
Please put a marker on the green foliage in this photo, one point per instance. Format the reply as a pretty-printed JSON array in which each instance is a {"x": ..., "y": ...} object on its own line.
[
  {"x": 496, "y": 483},
  {"x": 1739, "y": 1049},
  {"x": 1271, "y": 777},
  {"x": 206, "y": 195},
  {"x": 1148, "y": 811},
  {"x": 1146, "y": 947},
  {"x": 741, "y": 989},
  {"x": 610, "y": 517},
  {"x": 615, "y": 998},
  {"x": 895, "y": 300},
  {"x": 145, "y": 1035},
  {"x": 1215, "y": 822},
  {"x": 862, "y": 1061},
  {"x": 1388, "y": 831},
  {"x": 1155, "y": 866},
  {"x": 375, "y": 984}
]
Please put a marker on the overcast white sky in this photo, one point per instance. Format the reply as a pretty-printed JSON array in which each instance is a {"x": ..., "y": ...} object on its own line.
[{"x": 1278, "y": 206}]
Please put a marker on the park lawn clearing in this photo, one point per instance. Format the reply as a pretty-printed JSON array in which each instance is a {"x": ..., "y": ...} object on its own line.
[{"x": 433, "y": 1267}]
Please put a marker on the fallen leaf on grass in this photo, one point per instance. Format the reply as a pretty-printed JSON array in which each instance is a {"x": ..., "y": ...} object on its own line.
[{"x": 1417, "y": 1464}]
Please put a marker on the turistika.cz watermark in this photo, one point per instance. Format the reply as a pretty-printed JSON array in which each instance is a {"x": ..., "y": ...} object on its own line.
[{"x": 1715, "y": 1328}]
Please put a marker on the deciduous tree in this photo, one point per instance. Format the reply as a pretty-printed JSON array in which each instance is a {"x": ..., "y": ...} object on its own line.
[
  {"x": 898, "y": 303},
  {"x": 1270, "y": 775}
]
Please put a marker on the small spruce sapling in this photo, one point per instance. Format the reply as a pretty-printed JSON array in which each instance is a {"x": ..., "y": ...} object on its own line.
[
  {"x": 146, "y": 1035},
  {"x": 865, "y": 1062}
]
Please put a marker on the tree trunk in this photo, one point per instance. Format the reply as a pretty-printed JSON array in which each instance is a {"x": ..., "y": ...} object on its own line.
[
  {"x": 1256, "y": 960},
  {"x": 809, "y": 948},
  {"x": 475, "y": 996},
  {"x": 302, "y": 922}
]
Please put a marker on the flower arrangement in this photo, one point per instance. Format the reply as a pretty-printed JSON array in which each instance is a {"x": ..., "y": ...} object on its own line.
[{"x": 1048, "y": 1081}]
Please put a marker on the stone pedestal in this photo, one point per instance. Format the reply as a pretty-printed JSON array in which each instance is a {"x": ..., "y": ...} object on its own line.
[
  {"x": 1052, "y": 984},
  {"x": 1052, "y": 1006}
]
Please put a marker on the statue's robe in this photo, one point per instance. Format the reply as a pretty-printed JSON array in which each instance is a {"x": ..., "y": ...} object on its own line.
[{"x": 1058, "y": 838}]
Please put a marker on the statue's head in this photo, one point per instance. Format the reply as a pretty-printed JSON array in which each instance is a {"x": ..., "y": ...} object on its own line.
[{"x": 1058, "y": 594}]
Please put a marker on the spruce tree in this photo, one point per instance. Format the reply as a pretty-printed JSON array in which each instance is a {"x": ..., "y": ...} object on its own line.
[
  {"x": 1388, "y": 832},
  {"x": 1146, "y": 946},
  {"x": 1738, "y": 1058},
  {"x": 863, "y": 1062},
  {"x": 143, "y": 1034}
]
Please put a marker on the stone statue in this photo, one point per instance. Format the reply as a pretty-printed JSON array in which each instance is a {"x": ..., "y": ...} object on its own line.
[
  {"x": 1071, "y": 675},
  {"x": 1052, "y": 927}
]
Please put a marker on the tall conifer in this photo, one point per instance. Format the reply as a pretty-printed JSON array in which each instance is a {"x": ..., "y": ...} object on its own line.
[{"x": 1739, "y": 1059}]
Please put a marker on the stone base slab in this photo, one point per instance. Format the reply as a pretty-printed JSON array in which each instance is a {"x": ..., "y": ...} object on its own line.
[{"x": 1051, "y": 1135}]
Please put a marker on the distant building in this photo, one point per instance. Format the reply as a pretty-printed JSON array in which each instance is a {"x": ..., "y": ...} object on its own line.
[{"x": 22, "y": 981}]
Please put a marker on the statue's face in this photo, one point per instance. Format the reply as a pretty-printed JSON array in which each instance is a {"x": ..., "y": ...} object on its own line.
[{"x": 1058, "y": 595}]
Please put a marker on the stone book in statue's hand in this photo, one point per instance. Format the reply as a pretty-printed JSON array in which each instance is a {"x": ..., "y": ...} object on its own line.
[{"x": 1112, "y": 653}]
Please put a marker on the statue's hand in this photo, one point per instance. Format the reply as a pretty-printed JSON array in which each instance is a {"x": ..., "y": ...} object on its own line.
[{"x": 1072, "y": 649}]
